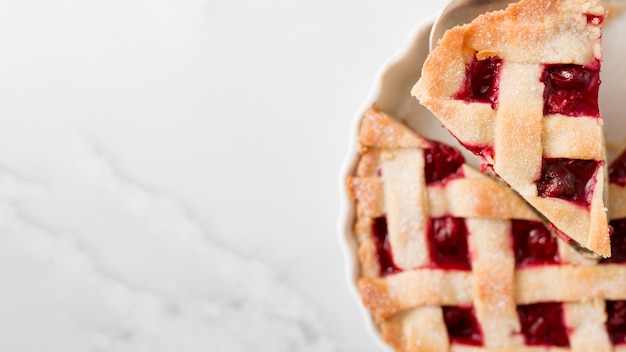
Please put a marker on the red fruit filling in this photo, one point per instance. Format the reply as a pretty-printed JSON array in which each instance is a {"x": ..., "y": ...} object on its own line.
[
  {"x": 616, "y": 321},
  {"x": 570, "y": 179},
  {"x": 462, "y": 325},
  {"x": 571, "y": 90},
  {"x": 595, "y": 20},
  {"x": 443, "y": 163},
  {"x": 447, "y": 241},
  {"x": 542, "y": 324},
  {"x": 617, "y": 170},
  {"x": 618, "y": 242},
  {"x": 485, "y": 152},
  {"x": 481, "y": 82},
  {"x": 533, "y": 244},
  {"x": 383, "y": 247}
]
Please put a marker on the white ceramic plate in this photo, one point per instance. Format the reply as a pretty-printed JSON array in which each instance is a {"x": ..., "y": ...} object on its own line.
[{"x": 391, "y": 94}]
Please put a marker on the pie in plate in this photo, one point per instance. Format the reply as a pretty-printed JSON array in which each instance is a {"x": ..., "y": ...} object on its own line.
[{"x": 450, "y": 259}]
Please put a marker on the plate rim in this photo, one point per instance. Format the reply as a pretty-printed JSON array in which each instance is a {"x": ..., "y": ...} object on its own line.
[{"x": 347, "y": 242}]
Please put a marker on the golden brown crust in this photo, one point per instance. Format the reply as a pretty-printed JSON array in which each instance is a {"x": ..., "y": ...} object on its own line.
[
  {"x": 525, "y": 35},
  {"x": 587, "y": 320},
  {"x": 406, "y": 305},
  {"x": 369, "y": 192},
  {"x": 482, "y": 197},
  {"x": 376, "y": 297},
  {"x": 558, "y": 132},
  {"x": 366, "y": 250},
  {"x": 394, "y": 293},
  {"x": 368, "y": 162},
  {"x": 378, "y": 129},
  {"x": 570, "y": 283},
  {"x": 424, "y": 324},
  {"x": 494, "y": 287}
]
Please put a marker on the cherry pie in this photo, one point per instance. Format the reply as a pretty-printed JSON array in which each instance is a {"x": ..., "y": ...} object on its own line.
[
  {"x": 452, "y": 260},
  {"x": 519, "y": 88}
]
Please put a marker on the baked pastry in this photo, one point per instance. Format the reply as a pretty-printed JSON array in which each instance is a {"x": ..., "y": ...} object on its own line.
[
  {"x": 453, "y": 260},
  {"x": 519, "y": 88}
]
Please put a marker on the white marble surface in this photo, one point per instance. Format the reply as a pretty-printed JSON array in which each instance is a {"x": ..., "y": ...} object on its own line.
[{"x": 169, "y": 171}]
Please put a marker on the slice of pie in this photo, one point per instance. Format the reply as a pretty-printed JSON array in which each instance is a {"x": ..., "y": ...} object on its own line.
[
  {"x": 452, "y": 260},
  {"x": 519, "y": 88}
]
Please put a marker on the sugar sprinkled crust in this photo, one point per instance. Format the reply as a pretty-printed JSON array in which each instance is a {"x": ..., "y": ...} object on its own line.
[
  {"x": 407, "y": 305},
  {"x": 526, "y": 36}
]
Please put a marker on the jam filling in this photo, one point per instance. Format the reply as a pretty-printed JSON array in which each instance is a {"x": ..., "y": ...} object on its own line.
[
  {"x": 595, "y": 20},
  {"x": 462, "y": 325},
  {"x": 617, "y": 170},
  {"x": 481, "y": 84},
  {"x": 447, "y": 241},
  {"x": 485, "y": 152},
  {"x": 571, "y": 90},
  {"x": 442, "y": 163},
  {"x": 569, "y": 179},
  {"x": 618, "y": 242},
  {"x": 533, "y": 244},
  {"x": 543, "y": 325},
  {"x": 383, "y": 247},
  {"x": 616, "y": 321}
]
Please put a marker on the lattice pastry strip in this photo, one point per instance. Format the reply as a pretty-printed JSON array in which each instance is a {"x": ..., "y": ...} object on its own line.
[
  {"x": 423, "y": 324},
  {"x": 519, "y": 88},
  {"x": 403, "y": 179},
  {"x": 587, "y": 323},
  {"x": 493, "y": 268},
  {"x": 586, "y": 320},
  {"x": 505, "y": 278}
]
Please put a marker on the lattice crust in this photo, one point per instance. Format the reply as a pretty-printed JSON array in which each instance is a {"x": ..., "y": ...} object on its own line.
[
  {"x": 408, "y": 304},
  {"x": 527, "y": 37}
]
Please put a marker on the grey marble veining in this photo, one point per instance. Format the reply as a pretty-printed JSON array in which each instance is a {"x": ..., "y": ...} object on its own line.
[
  {"x": 168, "y": 171},
  {"x": 134, "y": 271}
]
